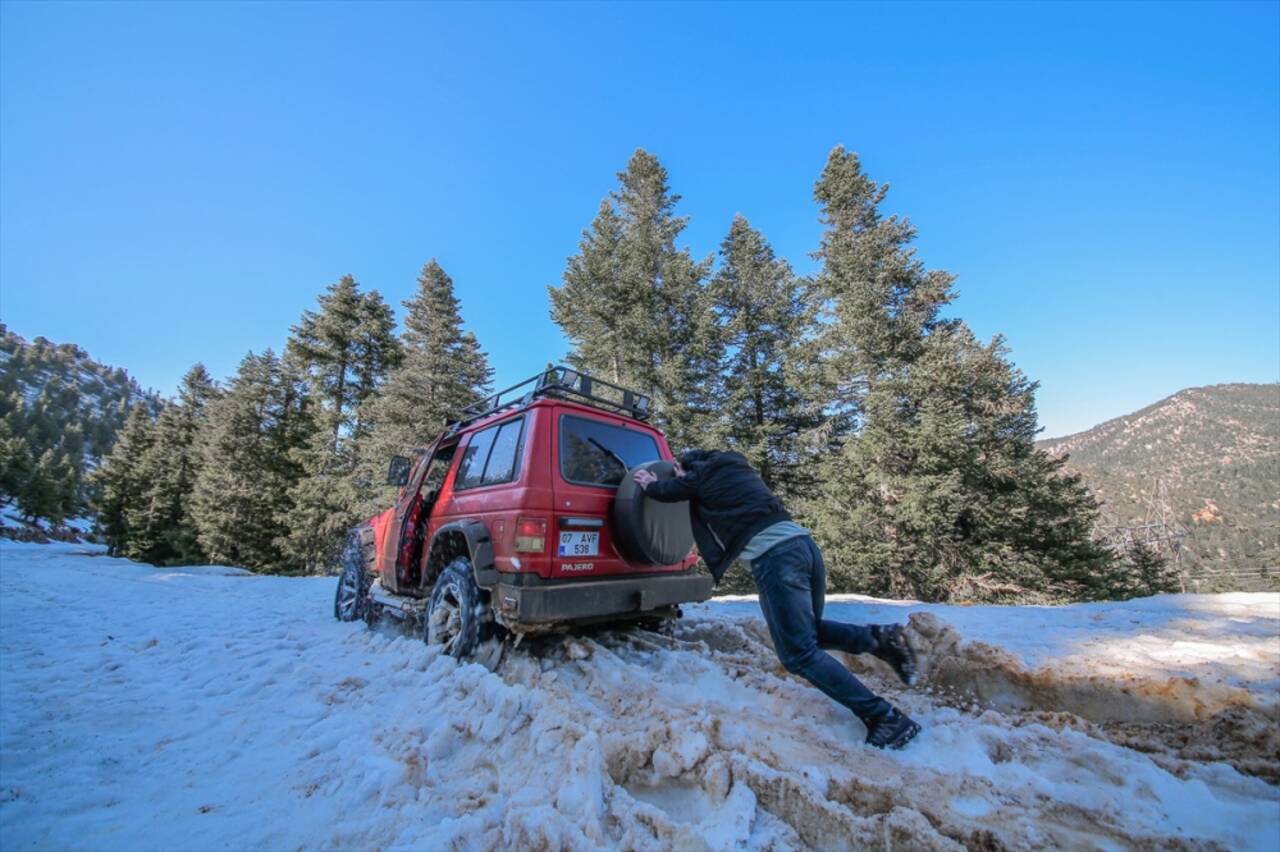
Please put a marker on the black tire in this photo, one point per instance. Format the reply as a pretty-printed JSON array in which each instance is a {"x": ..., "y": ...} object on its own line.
[
  {"x": 351, "y": 600},
  {"x": 657, "y": 625},
  {"x": 647, "y": 531},
  {"x": 458, "y": 612}
]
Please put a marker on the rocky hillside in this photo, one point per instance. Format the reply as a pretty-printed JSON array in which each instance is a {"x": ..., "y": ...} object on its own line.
[
  {"x": 1216, "y": 450},
  {"x": 60, "y": 411}
]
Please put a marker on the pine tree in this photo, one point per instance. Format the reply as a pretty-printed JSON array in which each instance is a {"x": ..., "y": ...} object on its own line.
[
  {"x": 65, "y": 473},
  {"x": 768, "y": 322},
  {"x": 378, "y": 350},
  {"x": 16, "y": 463},
  {"x": 163, "y": 529},
  {"x": 69, "y": 456},
  {"x": 13, "y": 411},
  {"x": 49, "y": 492},
  {"x": 324, "y": 503},
  {"x": 1150, "y": 571},
  {"x": 248, "y": 467},
  {"x": 119, "y": 487},
  {"x": 881, "y": 301},
  {"x": 636, "y": 308},
  {"x": 52, "y": 410},
  {"x": 346, "y": 349},
  {"x": 195, "y": 396},
  {"x": 936, "y": 490},
  {"x": 443, "y": 371},
  {"x": 592, "y": 304},
  {"x": 152, "y": 516}
]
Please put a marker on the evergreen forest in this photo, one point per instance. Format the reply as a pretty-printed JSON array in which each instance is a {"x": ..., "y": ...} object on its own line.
[{"x": 904, "y": 442}]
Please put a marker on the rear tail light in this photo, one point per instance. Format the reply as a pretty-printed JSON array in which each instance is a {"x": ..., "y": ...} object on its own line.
[{"x": 531, "y": 535}]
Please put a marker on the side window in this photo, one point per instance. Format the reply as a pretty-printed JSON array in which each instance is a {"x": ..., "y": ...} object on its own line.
[
  {"x": 439, "y": 467},
  {"x": 492, "y": 456},
  {"x": 502, "y": 458},
  {"x": 418, "y": 464},
  {"x": 471, "y": 470}
]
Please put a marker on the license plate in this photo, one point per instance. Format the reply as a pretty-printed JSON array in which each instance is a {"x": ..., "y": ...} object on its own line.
[{"x": 579, "y": 543}]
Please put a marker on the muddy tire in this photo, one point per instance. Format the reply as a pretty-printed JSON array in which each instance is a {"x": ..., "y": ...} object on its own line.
[
  {"x": 665, "y": 626},
  {"x": 457, "y": 614},
  {"x": 351, "y": 600}
]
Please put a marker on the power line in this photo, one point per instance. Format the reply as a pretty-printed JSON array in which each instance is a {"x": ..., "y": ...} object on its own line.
[{"x": 1160, "y": 530}]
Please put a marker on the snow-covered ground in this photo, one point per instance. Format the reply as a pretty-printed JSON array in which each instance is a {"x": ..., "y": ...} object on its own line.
[
  {"x": 207, "y": 708},
  {"x": 11, "y": 519}
]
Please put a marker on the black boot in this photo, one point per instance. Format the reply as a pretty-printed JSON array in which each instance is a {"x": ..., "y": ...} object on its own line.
[
  {"x": 892, "y": 730},
  {"x": 892, "y": 647}
]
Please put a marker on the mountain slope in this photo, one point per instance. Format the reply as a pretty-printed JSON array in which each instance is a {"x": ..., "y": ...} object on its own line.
[
  {"x": 60, "y": 411},
  {"x": 1216, "y": 450}
]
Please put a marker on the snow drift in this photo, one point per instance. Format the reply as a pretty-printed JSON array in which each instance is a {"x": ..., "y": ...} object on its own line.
[{"x": 200, "y": 708}]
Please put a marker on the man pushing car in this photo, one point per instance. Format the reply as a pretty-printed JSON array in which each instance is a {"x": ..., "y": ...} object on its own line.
[{"x": 734, "y": 515}]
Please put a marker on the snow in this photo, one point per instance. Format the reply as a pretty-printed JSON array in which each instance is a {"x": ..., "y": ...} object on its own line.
[
  {"x": 84, "y": 526},
  {"x": 11, "y": 518},
  {"x": 206, "y": 707},
  {"x": 1224, "y": 641}
]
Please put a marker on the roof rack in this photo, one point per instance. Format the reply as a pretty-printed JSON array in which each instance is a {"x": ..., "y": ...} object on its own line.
[{"x": 562, "y": 382}]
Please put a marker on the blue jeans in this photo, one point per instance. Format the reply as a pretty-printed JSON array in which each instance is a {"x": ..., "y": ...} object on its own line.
[{"x": 792, "y": 582}]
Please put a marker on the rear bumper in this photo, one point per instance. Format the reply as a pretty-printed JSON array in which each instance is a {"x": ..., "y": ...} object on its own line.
[{"x": 589, "y": 599}]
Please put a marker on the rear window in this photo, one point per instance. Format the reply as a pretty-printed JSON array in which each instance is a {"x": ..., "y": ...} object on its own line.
[
  {"x": 492, "y": 456},
  {"x": 596, "y": 453}
]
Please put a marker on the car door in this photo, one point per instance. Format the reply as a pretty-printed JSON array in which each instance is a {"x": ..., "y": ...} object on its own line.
[{"x": 410, "y": 509}]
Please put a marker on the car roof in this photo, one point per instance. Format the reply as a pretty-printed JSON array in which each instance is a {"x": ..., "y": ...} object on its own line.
[{"x": 546, "y": 402}]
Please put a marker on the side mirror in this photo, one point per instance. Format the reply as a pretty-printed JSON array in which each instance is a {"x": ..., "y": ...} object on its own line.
[{"x": 398, "y": 470}]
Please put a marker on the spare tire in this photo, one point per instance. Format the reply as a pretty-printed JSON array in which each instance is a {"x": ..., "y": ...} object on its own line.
[{"x": 645, "y": 530}]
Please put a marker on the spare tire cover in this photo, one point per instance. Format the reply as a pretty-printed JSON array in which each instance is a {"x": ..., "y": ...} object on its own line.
[{"x": 647, "y": 530}]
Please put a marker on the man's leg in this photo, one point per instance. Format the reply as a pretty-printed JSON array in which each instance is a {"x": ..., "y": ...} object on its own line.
[
  {"x": 786, "y": 577},
  {"x": 835, "y": 635},
  {"x": 885, "y": 641}
]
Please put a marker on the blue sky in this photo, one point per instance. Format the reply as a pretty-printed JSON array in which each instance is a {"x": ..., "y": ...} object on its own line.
[{"x": 179, "y": 181}]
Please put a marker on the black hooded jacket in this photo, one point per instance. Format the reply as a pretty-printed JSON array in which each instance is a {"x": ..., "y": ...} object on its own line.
[{"x": 728, "y": 504}]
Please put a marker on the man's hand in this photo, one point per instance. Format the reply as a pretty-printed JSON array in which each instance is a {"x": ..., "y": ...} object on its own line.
[{"x": 644, "y": 477}]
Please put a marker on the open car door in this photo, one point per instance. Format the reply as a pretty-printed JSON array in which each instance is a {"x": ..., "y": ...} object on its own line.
[{"x": 399, "y": 556}]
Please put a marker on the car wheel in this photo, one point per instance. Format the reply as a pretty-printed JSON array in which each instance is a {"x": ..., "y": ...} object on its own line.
[
  {"x": 351, "y": 600},
  {"x": 456, "y": 615}
]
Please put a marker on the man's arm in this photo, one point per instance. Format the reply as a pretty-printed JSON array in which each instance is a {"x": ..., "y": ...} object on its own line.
[{"x": 672, "y": 490}]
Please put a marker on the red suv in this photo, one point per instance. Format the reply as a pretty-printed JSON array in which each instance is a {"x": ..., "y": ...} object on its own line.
[{"x": 523, "y": 516}]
